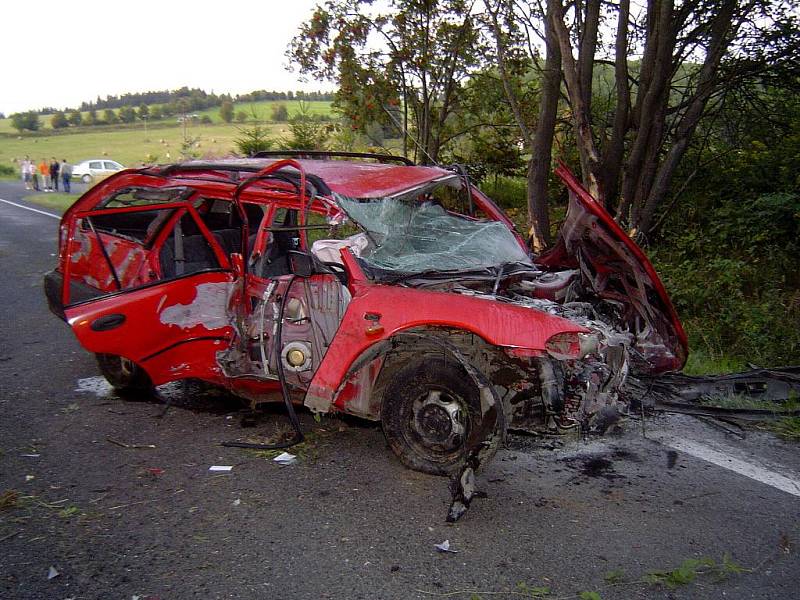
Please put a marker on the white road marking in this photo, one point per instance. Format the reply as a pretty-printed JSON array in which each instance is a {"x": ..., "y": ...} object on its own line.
[
  {"x": 41, "y": 212},
  {"x": 748, "y": 468}
]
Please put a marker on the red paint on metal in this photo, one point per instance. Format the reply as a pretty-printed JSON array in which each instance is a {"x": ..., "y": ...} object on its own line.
[
  {"x": 504, "y": 325},
  {"x": 143, "y": 338},
  {"x": 559, "y": 256}
]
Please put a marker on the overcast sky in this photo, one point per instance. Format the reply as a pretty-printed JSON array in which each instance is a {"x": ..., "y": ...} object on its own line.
[{"x": 60, "y": 53}]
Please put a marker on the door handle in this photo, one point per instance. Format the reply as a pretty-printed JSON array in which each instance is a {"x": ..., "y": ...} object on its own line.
[{"x": 107, "y": 322}]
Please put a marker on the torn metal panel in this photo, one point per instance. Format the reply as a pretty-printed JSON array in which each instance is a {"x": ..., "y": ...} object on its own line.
[{"x": 209, "y": 308}]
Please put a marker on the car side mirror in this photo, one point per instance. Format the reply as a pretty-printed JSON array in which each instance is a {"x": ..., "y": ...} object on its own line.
[
  {"x": 237, "y": 264},
  {"x": 301, "y": 264}
]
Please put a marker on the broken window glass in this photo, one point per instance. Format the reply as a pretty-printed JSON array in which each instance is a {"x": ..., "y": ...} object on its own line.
[{"x": 412, "y": 236}]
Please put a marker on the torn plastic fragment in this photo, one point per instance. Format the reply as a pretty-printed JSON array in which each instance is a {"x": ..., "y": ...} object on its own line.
[
  {"x": 52, "y": 573},
  {"x": 284, "y": 458},
  {"x": 445, "y": 547}
]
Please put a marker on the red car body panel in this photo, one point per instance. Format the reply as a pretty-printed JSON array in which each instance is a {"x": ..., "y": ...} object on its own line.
[
  {"x": 395, "y": 309},
  {"x": 167, "y": 347}
]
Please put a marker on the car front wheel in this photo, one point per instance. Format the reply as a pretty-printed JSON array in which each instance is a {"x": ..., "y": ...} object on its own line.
[
  {"x": 429, "y": 410},
  {"x": 123, "y": 374},
  {"x": 86, "y": 179}
]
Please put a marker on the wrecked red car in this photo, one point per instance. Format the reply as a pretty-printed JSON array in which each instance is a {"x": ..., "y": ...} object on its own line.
[{"x": 364, "y": 285}]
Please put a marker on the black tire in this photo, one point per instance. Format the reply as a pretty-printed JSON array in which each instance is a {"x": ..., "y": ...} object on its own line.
[
  {"x": 87, "y": 179},
  {"x": 421, "y": 407},
  {"x": 124, "y": 375}
]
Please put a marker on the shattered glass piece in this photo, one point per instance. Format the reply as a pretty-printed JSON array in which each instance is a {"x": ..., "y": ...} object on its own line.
[
  {"x": 412, "y": 237},
  {"x": 445, "y": 547},
  {"x": 284, "y": 458}
]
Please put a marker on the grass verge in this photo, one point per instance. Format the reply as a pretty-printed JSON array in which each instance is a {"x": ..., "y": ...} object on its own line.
[{"x": 58, "y": 201}]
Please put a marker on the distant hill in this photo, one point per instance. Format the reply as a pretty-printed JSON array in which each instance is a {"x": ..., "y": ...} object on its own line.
[{"x": 192, "y": 99}]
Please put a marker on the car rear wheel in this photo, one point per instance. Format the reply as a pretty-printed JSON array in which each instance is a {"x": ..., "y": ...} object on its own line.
[
  {"x": 429, "y": 410},
  {"x": 86, "y": 179},
  {"x": 123, "y": 374}
]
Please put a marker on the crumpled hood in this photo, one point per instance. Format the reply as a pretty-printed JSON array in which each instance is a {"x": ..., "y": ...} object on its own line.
[{"x": 619, "y": 272}]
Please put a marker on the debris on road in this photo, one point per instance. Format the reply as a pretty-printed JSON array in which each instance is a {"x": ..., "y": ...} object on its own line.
[
  {"x": 220, "y": 468},
  {"x": 284, "y": 458},
  {"x": 52, "y": 573},
  {"x": 445, "y": 547},
  {"x": 133, "y": 446},
  {"x": 753, "y": 395}
]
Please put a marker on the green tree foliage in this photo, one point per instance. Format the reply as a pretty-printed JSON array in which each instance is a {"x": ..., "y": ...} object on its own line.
[
  {"x": 143, "y": 112},
  {"x": 25, "y": 121},
  {"x": 127, "y": 114},
  {"x": 226, "y": 111},
  {"x": 279, "y": 113},
  {"x": 75, "y": 118},
  {"x": 729, "y": 250},
  {"x": 110, "y": 117},
  {"x": 90, "y": 118},
  {"x": 253, "y": 139},
  {"x": 59, "y": 121},
  {"x": 412, "y": 55},
  {"x": 305, "y": 132},
  {"x": 155, "y": 112},
  {"x": 241, "y": 116}
]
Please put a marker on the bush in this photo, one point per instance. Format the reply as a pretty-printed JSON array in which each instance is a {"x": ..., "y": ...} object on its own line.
[
  {"x": 253, "y": 139},
  {"x": 28, "y": 120},
  {"x": 205, "y": 120},
  {"x": 75, "y": 118},
  {"x": 226, "y": 111},
  {"x": 733, "y": 273},
  {"x": 59, "y": 121},
  {"x": 7, "y": 171},
  {"x": 279, "y": 113}
]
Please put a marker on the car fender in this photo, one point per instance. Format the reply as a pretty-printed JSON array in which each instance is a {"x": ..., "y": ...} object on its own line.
[{"x": 377, "y": 313}]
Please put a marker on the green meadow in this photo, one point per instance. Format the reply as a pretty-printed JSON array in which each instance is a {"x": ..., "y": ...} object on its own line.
[{"x": 131, "y": 144}]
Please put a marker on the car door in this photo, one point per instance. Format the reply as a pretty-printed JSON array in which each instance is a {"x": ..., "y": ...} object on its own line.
[
  {"x": 95, "y": 168},
  {"x": 169, "y": 312}
]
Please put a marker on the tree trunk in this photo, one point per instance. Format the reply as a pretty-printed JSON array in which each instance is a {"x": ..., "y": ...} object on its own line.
[
  {"x": 652, "y": 96},
  {"x": 721, "y": 32},
  {"x": 590, "y": 159},
  {"x": 541, "y": 148},
  {"x": 614, "y": 151}
]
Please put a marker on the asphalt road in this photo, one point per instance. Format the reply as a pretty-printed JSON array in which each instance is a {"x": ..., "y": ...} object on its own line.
[{"x": 347, "y": 521}]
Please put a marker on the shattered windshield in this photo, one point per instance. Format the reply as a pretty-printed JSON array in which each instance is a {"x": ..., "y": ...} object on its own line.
[{"x": 417, "y": 234}]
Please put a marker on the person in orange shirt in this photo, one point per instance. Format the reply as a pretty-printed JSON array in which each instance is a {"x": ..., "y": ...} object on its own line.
[{"x": 44, "y": 173}]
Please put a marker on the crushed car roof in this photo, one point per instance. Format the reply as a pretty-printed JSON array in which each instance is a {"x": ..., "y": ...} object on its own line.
[{"x": 348, "y": 178}]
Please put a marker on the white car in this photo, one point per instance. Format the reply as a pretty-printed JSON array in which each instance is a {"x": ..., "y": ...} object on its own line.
[{"x": 89, "y": 170}]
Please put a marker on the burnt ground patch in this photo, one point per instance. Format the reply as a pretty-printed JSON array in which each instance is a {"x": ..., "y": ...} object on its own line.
[{"x": 599, "y": 465}]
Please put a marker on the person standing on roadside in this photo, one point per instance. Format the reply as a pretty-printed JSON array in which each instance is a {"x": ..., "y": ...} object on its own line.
[
  {"x": 66, "y": 175},
  {"x": 27, "y": 172},
  {"x": 54, "y": 173},
  {"x": 35, "y": 176},
  {"x": 44, "y": 173}
]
